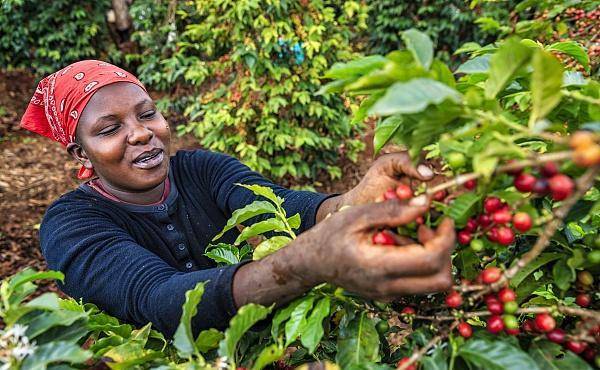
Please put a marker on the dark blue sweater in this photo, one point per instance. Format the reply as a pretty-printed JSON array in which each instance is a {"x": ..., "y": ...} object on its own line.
[{"x": 136, "y": 262}]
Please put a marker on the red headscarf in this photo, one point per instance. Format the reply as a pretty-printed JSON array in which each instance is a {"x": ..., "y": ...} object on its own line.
[{"x": 59, "y": 99}]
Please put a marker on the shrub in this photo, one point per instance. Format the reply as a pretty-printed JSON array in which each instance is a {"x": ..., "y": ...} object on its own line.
[
  {"x": 44, "y": 36},
  {"x": 247, "y": 74}
]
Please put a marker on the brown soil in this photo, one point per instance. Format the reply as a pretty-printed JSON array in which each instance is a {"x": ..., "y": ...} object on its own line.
[{"x": 35, "y": 171}]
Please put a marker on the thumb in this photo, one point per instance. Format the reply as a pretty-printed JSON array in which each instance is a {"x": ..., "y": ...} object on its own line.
[
  {"x": 400, "y": 164},
  {"x": 445, "y": 236}
]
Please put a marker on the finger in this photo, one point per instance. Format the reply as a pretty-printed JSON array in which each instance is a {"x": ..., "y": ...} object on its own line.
[
  {"x": 402, "y": 240},
  {"x": 425, "y": 234},
  {"x": 399, "y": 164},
  {"x": 440, "y": 282},
  {"x": 391, "y": 213},
  {"x": 445, "y": 236},
  {"x": 397, "y": 261}
]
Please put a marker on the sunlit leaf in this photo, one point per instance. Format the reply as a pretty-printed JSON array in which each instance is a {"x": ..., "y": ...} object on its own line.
[
  {"x": 420, "y": 45},
  {"x": 546, "y": 81}
]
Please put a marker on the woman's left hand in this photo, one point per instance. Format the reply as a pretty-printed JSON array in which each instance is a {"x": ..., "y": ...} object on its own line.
[{"x": 385, "y": 173}]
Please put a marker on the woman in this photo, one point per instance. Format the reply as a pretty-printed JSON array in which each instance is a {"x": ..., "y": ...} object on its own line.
[{"x": 131, "y": 239}]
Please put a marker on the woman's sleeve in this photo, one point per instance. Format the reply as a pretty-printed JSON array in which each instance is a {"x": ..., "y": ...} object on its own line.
[
  {"x": 221, "y": 172},
  {"x": 104, "y": 265}
]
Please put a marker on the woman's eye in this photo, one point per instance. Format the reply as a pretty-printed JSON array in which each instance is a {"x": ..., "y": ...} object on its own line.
[
  {"x": 109, "y": 130},
  {"x": 149, "y": 114}
]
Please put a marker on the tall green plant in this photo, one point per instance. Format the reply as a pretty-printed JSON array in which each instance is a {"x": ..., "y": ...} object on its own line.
[{"x": 250, "y": 70}]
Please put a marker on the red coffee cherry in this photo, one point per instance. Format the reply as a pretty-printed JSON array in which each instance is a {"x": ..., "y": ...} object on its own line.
[
  {"x": 454, "y": 299},
  {"x": 495, "y": 324},
  {"x": 383, "y": 238},
  {"x": 492, "y": 234},
  {"x": 491, "y": 275},
  {"x": 541, "y": 187},
  {"x": 492, "y": 204},
  {"x": 522, "y": 221},
  {"x": 507, "y": 295},
  {"x": 514, "y": 331},
  {"x": 561, "y": 186},
  {"x": 408, "y": 311},
  {"x": 495, "y": 307},
  {"x": 549, "y": 169},
  {"x": 583, "y": 299},
  {"x": 465, "y": 330},
  {"x": 420, "y": 220},
  {"x": 589, "y": 354},
  {"x": 404, "y": 192},
  {"x": 576, "y": 347},
  {"x": 484, "y": 220},
  {"x": 405, "y": 360},
  {"x": 471, "y": 184},
  {"x": 390, "y": 194},
  {"x": 524, "y": 182},
  {"x": 505, "y": 235},
  {"x": 471, "y": 225},
  {"x": 464, "y": 237},
  {"x": 439, "y": 195},
  {"x": 544, "y": 322},
  {"x": 502, "y": 216},
  {"x": 556, "y": 335}
]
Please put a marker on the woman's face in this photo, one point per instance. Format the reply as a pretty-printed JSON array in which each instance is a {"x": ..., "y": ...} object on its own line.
[{"x": 124, "y": 138}]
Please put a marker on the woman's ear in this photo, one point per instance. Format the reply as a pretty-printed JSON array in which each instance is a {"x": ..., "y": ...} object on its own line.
[{"x": 77, "y": 152}]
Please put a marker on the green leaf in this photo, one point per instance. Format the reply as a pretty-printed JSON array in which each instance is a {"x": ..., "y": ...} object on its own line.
[
  {"x": 546, "y": 81},
  {"x": 364, "y": 108},
  {"x": 55, "y": 352},
  {"x": 269, "y": 246},
  {"x": 263, "y": 191},
  {"x": 356, "y": 67},
  {"x": 208, "y": 339},
  {"x": 571, "y": 78},
  {"x": 385, "y": 130},
  {"x": 294, "y": 221},
  {"x": 504, "y": 64},
  {"x": 574, "y": 50},
  {"x": 413, "y": 97},
  {"x": 436, "y": 361},
  {"x": 267, "y": 356},
  {"x": 551, "y": 356},
  {"x": 297, "y": 321},
  {"x": 259, "y": 228},
  {"x": 29, "y": 274},
  {"x": 563, "y": 274},
  {"x": 462, "y": 208},
  {"x": 468, "y": 263},
  {"x": 245, "y": 318},
  {"x": 183, "y": 339},
  {"x": 495, "y": 355},
  {"x": 282, "y": 315},
  {"x": 238, "y": 216},
  {"x": 224, "y": 253},
  {"x": 540, "y": 261},
  {"x": 358, "y": 342},
  {"x": 313, "y": 331},
  {"x": 47, "y": 320},
  {"x": 480, "y": 64},
  {"x": 420, "y": 45}
]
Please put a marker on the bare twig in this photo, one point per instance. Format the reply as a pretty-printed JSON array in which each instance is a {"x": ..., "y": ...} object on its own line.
[{"x": 571, "y": 311}]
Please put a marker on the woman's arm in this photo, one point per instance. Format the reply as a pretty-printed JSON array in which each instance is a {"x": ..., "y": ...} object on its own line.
[{"x": 338, "y": 250}]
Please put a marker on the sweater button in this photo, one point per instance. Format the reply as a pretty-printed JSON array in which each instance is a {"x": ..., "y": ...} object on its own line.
[
  {"x": 189, "y": 265},
  {"x": 161, "y": 207},
  {"x": 170, "y": 227},
  {"x": 181, "y": 246}
]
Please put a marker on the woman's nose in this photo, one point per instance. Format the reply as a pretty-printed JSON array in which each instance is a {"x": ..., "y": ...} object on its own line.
[{"x": 139, "y": 134}]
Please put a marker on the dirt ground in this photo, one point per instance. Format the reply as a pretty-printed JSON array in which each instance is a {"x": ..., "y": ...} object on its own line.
[{"x": 35, "y": 171}]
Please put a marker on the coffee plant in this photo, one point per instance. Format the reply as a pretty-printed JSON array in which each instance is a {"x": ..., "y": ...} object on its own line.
[
  {"x": 515, "y": 138},
  {"x": 248, "y": 73},
  {"x": 45, "y": 36}
]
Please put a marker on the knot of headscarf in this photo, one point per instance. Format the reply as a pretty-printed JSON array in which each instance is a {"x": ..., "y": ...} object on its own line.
[{"x": 60, "y": 98}]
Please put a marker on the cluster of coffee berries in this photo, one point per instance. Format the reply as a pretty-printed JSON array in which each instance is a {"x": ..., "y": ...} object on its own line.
[
  {"x": 585, "y": 282},
  {"x": 551, "y": 181},
  {"x": 587, "y": 150},
  {"x": 502, "y": 306},
  {"x": 495, "y": 222}
]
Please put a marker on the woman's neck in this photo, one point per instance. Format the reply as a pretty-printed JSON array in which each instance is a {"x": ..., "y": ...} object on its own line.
[{"x": 146, "y": 197}]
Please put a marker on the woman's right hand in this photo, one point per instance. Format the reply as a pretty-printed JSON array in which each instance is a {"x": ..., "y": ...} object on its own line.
[{"x": 339, "y": 250}]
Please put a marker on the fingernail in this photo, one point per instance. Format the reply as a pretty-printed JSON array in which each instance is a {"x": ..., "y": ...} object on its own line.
[
  {"x": 424, "y": 170},
  {"x": 419, "y": 201}
]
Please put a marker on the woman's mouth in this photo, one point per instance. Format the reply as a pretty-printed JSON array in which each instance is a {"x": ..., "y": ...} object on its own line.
[{"x": 149, "y": 161}]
